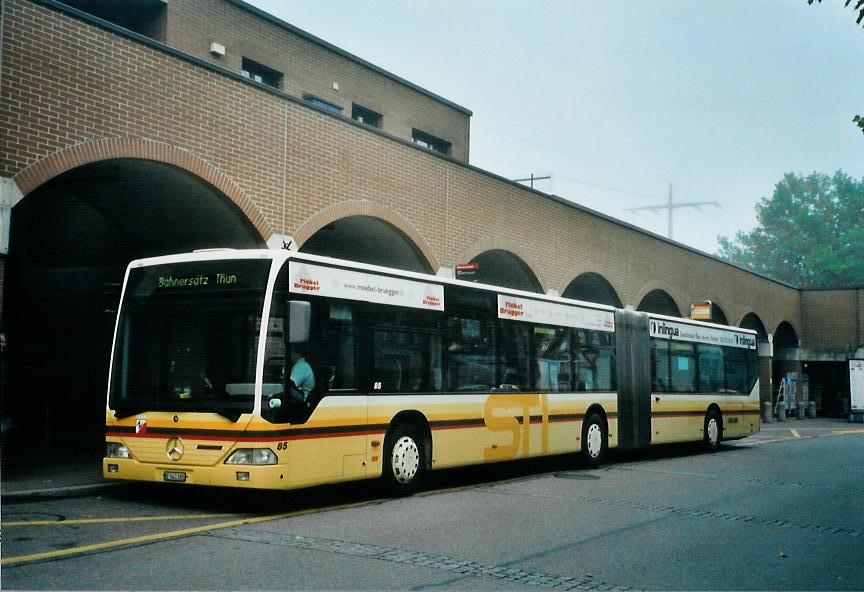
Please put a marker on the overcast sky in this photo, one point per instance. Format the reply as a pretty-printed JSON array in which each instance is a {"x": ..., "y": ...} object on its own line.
[{"x": 617, "y": 99}]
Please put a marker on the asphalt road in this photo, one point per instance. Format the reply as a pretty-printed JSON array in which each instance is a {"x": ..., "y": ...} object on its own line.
[{"x": 780, "y": 511}]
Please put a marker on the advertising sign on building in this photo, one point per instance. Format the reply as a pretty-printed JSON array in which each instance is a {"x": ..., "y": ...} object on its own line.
[
  {"x": 701, "y": 311},
  {"x": 466, "y": 271}
]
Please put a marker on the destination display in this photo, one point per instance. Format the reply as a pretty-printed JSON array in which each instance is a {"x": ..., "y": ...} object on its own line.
[
  {"x": 318, "y": 280},
  {"x": 199, "y": 277},
  {"x": 695, "y": 333},
  {"x": 551, "y": 313}
]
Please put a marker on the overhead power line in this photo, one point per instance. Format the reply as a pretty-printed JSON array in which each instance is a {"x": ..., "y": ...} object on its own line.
[
  {"x": 532, "y": 178},
  {"x": 672, "y": 205}
]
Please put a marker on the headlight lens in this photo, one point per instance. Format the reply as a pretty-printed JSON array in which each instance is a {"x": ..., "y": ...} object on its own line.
[
  {"x": 252, "y": 456},
  {"x": 116, "y": 450}
]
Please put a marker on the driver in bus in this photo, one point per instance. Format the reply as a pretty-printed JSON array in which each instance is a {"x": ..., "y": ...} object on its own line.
[{"x": 301, "y": 372}]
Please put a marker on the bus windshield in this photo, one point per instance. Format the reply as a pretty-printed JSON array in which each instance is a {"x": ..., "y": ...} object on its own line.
[{"x": 187, "y": 338}]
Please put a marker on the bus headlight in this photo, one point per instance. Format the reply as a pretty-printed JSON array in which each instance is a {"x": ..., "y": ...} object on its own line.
[
  {"x": 116, "y": 450},
  {"x": 252, "y": 456}
]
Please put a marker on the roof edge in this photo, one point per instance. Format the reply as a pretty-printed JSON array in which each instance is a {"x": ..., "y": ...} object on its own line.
[{"x": 345, "y": 54}]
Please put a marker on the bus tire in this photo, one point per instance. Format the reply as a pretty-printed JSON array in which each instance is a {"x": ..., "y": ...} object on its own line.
[
  {"x": 404, "y": 460},
  {"x": 594, "y": 441},
  {"x": 713, "y": 430}
]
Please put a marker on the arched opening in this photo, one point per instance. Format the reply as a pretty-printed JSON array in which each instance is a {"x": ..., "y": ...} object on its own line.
[
  {"x": 367, "y": 240},
  {"x": 659, "y": 302},
  {"x": 502, "y": 268},
  {"x": 785, "y": 337},
  {"x": 70, "y": 241},
  {"x": 754, "y": 323},
  {"x": 718, "y": 316},
  {"x": 592, "y": 287},
  {"x": 785, "y": 355}
]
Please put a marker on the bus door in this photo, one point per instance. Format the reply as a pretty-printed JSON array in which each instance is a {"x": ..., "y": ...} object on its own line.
[{"x": 634, "y": 379}]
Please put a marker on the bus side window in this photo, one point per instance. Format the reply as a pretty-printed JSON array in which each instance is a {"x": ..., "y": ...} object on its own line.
[
  {"x": 683, "y": 370},
  {"x": 737, "y": 370},
  {"x": 515, "y": 355},
  {"x": 470, "y": 354},
  {"x": 552, "y": 358},
  {"x": 406, "y": 350},
  {"x": 710, "y": 368},
  {"x": 659, "y": 365}
]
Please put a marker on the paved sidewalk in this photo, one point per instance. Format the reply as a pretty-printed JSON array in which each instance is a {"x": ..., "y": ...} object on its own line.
[
  {"x": 792, "y": 429},
  {"x": 59, "y": 474}
]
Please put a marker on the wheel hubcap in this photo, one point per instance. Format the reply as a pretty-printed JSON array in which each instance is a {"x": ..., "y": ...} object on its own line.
[
  {"x": 405, "y": 461},
  {"x": 713, "y": 431},
  {"x": 594, "y": 440}
]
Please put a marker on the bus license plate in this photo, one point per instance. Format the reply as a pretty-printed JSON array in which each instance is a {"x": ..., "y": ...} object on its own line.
[{"x": 175, "y": 476}]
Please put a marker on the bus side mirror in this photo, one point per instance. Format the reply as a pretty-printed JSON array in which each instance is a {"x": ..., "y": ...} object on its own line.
[{"x": 300, "y": 315}]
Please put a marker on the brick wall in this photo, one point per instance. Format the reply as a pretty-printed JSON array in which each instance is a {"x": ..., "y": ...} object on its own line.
[
  {"x": 310, "y": 68},
  {"x": 67, "y": 84},
  {"x": 832, "y": 318}
]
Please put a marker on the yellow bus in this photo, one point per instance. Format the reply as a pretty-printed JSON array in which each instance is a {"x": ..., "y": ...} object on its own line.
[{"x": 276, "y": 370}]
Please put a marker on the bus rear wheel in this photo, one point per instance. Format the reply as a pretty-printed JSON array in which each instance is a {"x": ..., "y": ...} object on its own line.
[
  {"x": 404, "y": 460},
  {"x": 713, "y": 431},
  {"x": 594, "y": 441}
]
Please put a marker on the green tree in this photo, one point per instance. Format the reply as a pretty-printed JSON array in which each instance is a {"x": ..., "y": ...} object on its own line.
[
  {"x": 859, "y": 7},
  {"x": 810, "y": 233}
]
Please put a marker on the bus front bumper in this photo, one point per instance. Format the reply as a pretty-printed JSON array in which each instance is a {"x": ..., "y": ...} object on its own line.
[{"x": 221, "y": 475}]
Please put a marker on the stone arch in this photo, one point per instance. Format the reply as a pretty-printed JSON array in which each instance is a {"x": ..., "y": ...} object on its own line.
[
  {"x": 657, "y": 288},
  {"x": 718, "y": 314},
  {"x": 588, "y": 269},
  {"x": 785, "y": 336},
  {"x": 515, "y": 251},
  {"x": 752, "y": 321},
  {"x": 592, "y": 287},
  {"x": 71, "y": 237},
  {"x": 130, "y": 147},
  {"x": 367, "y": 209}
]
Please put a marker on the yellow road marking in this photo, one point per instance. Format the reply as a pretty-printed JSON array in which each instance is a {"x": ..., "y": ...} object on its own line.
[
  {"x": 109, "y": 520},
  {"x": 160, "y": 536}
]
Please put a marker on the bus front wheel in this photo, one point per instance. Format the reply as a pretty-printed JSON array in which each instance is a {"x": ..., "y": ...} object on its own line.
[
  {"x": 594, "y": 442},
  {"x": 404, "y": 460}
]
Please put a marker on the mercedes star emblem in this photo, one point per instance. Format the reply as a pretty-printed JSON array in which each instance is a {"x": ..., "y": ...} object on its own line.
[{"x": 174, "y": 448}]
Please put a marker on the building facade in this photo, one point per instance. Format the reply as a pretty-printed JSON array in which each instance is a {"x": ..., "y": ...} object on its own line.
[{"x": 207, "y": 123}]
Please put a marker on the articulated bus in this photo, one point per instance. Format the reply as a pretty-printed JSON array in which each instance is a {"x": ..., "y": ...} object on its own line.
[{"x": 276, "y": 369}]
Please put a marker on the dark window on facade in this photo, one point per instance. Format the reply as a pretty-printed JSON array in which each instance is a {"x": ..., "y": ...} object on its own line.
[
  {"x": 321, "y": 103},
  {"x": 364, "y": 115},
  {"x": 260, "y": 73},
  {"x": 429, "y": 141},
  {"x": 145, "y": 17}
]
